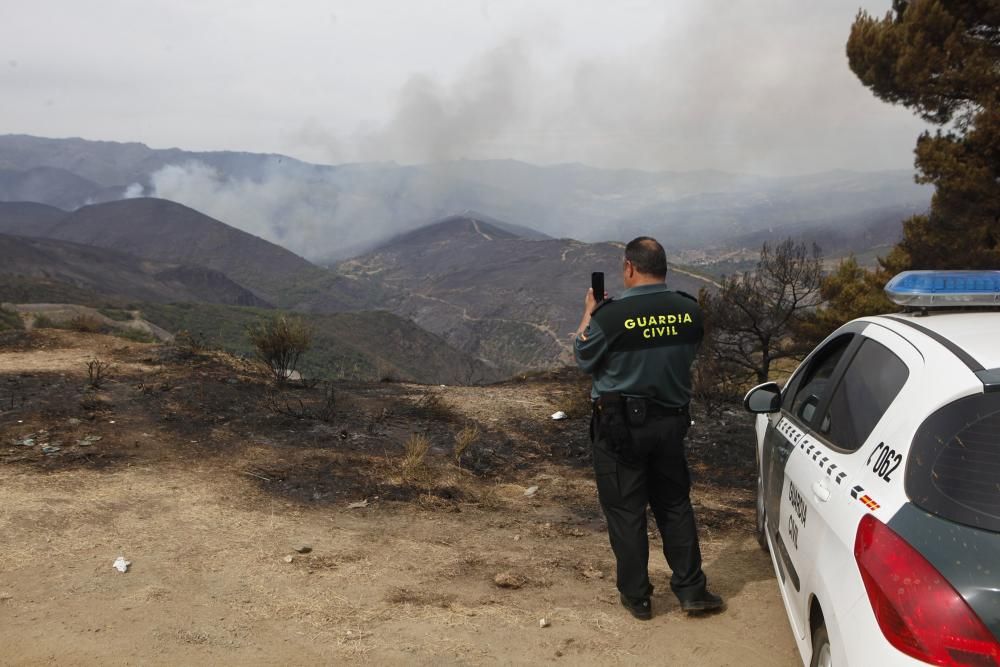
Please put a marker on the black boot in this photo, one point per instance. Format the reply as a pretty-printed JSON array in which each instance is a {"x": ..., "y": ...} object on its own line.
[
  {"x": 641, "y": 608},
  {"x": 704, "y": 602}
]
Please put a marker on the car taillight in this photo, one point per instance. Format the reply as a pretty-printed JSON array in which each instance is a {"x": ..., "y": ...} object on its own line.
[{"x": 919, "y": 612}]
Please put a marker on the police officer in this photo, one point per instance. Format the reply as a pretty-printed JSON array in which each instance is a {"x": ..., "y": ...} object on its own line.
[{"x": 639, "y": 349}]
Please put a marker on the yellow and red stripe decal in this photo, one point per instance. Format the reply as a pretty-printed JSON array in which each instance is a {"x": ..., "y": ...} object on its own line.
[{"x": 869, "y": 502}]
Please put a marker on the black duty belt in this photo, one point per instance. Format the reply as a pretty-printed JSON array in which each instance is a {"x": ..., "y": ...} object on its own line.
[
  {"x": 657, "y": 409},
  {"x": 616, "y": 415},
  {"x": 651, "y": 408}
]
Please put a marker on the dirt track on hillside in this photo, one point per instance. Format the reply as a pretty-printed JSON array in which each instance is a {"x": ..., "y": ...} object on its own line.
[{"x": 207, "y": 496}]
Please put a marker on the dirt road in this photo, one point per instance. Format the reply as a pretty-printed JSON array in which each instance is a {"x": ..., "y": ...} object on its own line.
[{"x": 211, "y": 525}]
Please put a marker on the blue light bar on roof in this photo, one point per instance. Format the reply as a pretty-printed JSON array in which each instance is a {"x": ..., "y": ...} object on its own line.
[{"x": 927, "y": 289}]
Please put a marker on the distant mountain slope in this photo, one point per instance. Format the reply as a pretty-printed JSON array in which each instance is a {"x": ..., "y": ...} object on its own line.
[
  {"x": 107, "y": 320},
  {"x": 51, "y": 185},
  {"x": 870, "y": 229},
  {"x": 33, "y": 289},
  {"x": 359, "y": 345},
  {"x": 168, "y": 232},
  {"x": 112, "y": 163},
  {"x": 171, "y": 232},
  {"x": 509, "y": 300},
  {"x": 25, "y": 218},
  {"x": 114, "y": 274},
  {"x": 448, "y": 229},
  {"x": 519, "y": 231},
  {"x": 328, "y": 213},
  {"x": 812, "y": 208}
]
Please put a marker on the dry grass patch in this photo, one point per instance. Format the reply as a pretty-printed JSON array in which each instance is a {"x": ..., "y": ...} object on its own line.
[
  {"x": 463, "y": 440},
  {"x": 414, "y": 454}
]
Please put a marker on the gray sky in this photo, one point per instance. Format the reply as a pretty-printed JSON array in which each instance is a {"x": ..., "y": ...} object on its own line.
[{"x": 742, "y": 85}]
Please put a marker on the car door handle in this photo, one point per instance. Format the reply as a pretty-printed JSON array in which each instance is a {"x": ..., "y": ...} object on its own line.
[{"x": 821, "y": 492}]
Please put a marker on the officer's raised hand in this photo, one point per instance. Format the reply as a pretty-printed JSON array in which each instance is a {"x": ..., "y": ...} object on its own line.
[
  {"x": 589, "y": 304},
  {"x": 590, "y": 301}
]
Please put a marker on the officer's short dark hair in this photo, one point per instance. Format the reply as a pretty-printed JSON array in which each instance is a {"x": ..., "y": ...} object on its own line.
[{"x": 647, "y": 256}]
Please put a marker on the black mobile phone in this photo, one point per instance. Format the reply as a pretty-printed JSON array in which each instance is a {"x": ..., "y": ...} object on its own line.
[{"x": 597, "y": 282}]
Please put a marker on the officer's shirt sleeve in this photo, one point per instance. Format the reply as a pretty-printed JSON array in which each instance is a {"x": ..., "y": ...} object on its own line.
[{"x": 590, "y": 347}]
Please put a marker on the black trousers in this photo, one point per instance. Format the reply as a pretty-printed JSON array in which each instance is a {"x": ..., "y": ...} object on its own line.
[{"x": 659, "y": 479}]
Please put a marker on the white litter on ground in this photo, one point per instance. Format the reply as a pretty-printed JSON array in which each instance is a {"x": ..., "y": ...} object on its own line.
[
  {"x": 121, "y": 564},
  {"x": 560, "y": 415}
]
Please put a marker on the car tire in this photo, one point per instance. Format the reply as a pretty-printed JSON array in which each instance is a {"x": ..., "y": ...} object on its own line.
[
  {"x": 761, "y": 515},
  {"x": 821, "y": 654}
]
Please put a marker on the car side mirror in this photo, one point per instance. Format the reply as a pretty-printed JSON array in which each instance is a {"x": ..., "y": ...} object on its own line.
[{"x": 764, "y": 398}]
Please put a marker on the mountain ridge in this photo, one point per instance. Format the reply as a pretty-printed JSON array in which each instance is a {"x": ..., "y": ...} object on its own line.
[
  {"x": 509, "y": 300},
  {"x": 697, "y": 209},
  {"x": 116, "y": 274},
  {"x": 167, "y": 232}
]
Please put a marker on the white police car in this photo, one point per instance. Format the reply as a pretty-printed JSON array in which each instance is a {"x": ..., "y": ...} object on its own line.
[{"x": 878, "y": 489}]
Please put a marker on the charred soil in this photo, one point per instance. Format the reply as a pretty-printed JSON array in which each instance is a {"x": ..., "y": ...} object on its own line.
[{"x": 336, "y": 522}]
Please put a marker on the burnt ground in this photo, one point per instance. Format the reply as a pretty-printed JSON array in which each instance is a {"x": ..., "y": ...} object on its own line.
[
  {"x": 156, "y": 405},
  {"x": 210, "y": 425}
]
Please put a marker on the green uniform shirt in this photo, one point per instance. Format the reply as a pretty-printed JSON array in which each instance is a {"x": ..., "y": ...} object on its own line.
[{"x": 643, "y": 344}]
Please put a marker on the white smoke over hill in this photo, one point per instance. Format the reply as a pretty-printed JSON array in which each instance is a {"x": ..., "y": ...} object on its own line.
[
  {"x": 319, "y": 213},
  {"x": 325, "y": 213},
  {"x": 305, "y": 217}
]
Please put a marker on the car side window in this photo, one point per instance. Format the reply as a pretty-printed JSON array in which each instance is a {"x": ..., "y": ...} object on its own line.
[
  {"x": 810, "y": 391},
  {"x": 869, "y": 385}
]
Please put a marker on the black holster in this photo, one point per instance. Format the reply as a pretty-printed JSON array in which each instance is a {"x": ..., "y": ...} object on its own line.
[
  {"x": 636, "y": 408},
  {"x": 612, "y": 417}
]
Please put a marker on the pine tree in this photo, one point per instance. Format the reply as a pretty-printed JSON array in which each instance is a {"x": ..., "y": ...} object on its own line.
[
  {"x": 940, "y": 58},
  {"x": 847, "y": 293}
]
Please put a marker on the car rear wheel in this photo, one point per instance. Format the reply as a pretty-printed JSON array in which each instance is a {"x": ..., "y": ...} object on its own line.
[
  {"x": 761, "y": 517},
  {"x": 821, "y": 657}
]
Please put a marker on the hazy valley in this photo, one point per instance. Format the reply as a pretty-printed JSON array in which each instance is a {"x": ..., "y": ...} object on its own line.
[
  {"x": 329, "y": 213},
  {"x": 476, "y": 269}
]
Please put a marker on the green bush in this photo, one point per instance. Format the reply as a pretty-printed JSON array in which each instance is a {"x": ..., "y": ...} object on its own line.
[
  {"x": 10, "y": 321},
  {"x": 279, "y": 342}
]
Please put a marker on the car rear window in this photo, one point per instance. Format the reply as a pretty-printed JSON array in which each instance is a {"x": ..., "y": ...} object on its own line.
[{"x": 954, "y": 464}]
